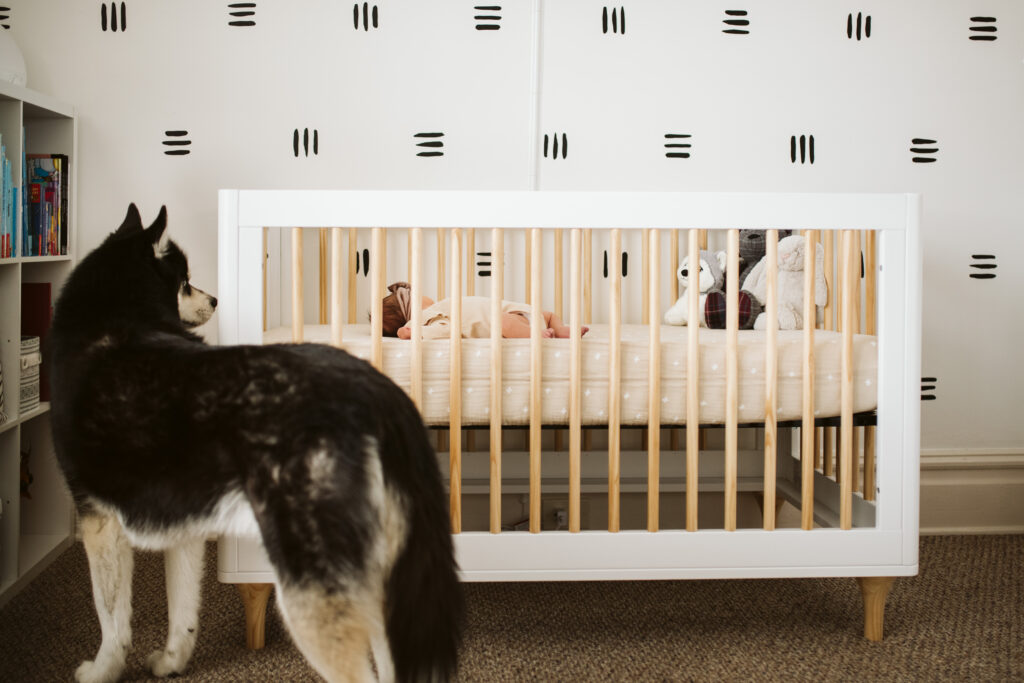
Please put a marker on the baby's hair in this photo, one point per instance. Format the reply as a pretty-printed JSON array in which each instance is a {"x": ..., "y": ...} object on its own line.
[{"x": 393, "y": 315}]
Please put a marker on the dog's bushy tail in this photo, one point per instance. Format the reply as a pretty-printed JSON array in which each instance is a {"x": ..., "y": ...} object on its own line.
[{"x": 424, "y": 603}]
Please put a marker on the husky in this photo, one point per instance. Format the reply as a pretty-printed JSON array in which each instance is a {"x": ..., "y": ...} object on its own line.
[{"x": 165, "y": 440}]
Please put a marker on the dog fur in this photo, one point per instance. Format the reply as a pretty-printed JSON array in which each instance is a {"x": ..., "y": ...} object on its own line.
[{"x": 165, "y": 440}]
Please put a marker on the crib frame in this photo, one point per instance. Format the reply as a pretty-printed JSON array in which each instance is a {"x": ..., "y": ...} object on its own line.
[{"x": 888, "y": 549}]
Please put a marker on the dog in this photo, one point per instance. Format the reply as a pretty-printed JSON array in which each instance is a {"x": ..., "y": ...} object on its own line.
[{"x": 165, "y": 440}]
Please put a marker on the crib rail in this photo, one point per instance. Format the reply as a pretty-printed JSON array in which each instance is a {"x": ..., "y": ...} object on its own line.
[{"x": 842, "y": 459}]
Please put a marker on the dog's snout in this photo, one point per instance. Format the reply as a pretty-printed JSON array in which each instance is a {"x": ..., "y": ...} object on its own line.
[{"x": 213, "y": 302}]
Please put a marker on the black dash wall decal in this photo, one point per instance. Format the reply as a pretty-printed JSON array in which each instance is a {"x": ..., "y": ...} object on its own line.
[
  {"x": 305, "y": 143},
  {"x": 928, "y": 385},
  {"x": 736, "y": 20},
  {"x": 926, "y": 147},
  {"x": 484, "y": 262},
  {"x": 678, "y": 145},
  {"x": 625, "y": 263},
  {"x": 551, "y": 143},
  {"x": 983, "y": 28},
  {"x": 432, "y": 143},
  {"x": 366, "y": 262},
  {"x": 241, "y": 13},
  {"x": 5, "y": 15},
  {"x": 487, "y": 17},
  {"x": 859, "y": 27},
  {"x": 118, "y": 21},
  {"x": 177, "y": 142},
  {"x": 801, "y": 149},
  {"x": 615, "y": 20},
  {"x": 983, "y": 263},
  {"x": 364, "y": 16}
]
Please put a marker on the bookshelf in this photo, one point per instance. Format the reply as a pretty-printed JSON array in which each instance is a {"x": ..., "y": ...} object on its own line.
[{"x": 32, "y": 531}]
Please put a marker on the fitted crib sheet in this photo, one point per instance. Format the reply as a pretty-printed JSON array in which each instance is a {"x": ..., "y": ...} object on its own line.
[{"x": 515, "y": 382}]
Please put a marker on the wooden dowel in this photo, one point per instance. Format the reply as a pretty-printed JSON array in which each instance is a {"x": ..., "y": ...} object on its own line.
[
  {"x": 771, "y": 375},
  {"x": 353, "y": 260},
  {"x": 654, "y": 384},
  {"x": 644, "y": 276},
  {"x": 416, "y": 316},
  {"x": 297, "y": 302},
  {"x": 455, "y": 384},
  {"x": 497, "y": 294},
  {"x": 807, "y": 425},
  {"x": 336, "y": 266},
  {"x": 846, "y": 387},
  {"x": 440, "y": 264},
  {"x": 559, "y": 279},
  {"x": 869, "y": 463},
  {"x": 536, "y": 368},
  {"x": 266, "y": 258},
  {"x": 377, "y": 278},
  {"x": 588, "y": 299},
  {"x": 871, "y": 283},
  {"x": 575, "y": 379},
  {"x": 470, "y": 264},
  {"x": 692, "y": 389},
  {"x": 673, "y": 251},
  {"x": 828, "y": 243},
  {"x": 323, "y": 276},
  {"x": 732, "y": 373},
  {"x": 529, "y": 266},
  {"x": 614, "y": 381}
]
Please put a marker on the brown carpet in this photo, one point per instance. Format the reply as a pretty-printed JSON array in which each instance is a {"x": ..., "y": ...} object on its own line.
[{"x": 962, "y": 619}]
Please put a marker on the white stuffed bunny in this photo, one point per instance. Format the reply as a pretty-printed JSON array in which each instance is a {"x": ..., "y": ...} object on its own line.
[
  {"x": 711, "y": 277},
  {"x": 790, "y": 283}
]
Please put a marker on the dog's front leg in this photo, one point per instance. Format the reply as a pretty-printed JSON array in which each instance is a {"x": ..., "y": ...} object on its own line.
[
  {"x": 183, "y": 565},
  {"x": 110, "y": 566}
]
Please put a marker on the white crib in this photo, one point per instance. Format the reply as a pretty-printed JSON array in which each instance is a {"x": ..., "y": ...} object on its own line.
[{"x": 871, "y": 534}]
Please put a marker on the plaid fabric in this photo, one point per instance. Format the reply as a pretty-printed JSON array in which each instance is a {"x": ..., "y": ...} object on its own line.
[{"x": 715, "y": 305}]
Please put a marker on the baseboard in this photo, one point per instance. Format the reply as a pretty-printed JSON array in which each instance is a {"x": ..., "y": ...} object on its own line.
[{"x": 972, "y": 491}]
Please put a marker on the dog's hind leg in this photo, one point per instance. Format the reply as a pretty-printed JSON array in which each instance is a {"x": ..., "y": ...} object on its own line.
[
  {"x": 110, "y": 566},
  {"x": 332, "y": 629},
  {"x": 183, "y": 566}
]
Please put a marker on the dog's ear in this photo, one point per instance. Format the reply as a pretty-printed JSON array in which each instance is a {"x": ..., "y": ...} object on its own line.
[
  {"x": 132, "y": 221},
  {"x": 156, "y": 231}
]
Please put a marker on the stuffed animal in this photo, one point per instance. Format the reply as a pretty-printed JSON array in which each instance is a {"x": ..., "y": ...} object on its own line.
[
  {"x": 790, "y": 283},
  {"x": 711, "y": 278}
]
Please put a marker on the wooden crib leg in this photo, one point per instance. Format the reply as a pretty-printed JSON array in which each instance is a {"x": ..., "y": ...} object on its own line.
[
  {"x": 874, "y": 590},
  {"x": 254, "y": 598}
]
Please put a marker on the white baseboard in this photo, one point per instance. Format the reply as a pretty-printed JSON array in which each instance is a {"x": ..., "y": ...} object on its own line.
[{"x": 972, "y": 491}]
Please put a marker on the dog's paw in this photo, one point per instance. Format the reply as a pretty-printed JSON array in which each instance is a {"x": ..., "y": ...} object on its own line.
[
  {"x": 163, "y": 663},
  {"x": 92, "y": 672}
]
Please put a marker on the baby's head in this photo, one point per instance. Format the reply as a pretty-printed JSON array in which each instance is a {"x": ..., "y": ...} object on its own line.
[{"x": 396, "y": 308}]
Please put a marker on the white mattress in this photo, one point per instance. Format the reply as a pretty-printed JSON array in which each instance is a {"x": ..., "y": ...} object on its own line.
[{"x": 555, "y": 384}]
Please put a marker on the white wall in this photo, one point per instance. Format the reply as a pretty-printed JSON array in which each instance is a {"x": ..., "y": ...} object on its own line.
[{"x": 240, "y": 93}]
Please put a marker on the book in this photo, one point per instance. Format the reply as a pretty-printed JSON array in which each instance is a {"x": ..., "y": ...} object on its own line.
[{"x": 48, "y": 204}]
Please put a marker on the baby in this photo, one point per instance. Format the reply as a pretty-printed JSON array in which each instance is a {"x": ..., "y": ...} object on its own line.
[{"x": 476, "y": 317}]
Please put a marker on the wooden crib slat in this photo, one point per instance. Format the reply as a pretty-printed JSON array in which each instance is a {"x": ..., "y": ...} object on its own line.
[
  {"x": 297, "y": 302},
  {"x": 536, "y": 368},
  {"x": 588, "y": 298},
  {"x": 322, "y": 274},
  {"x": 497, "y": 294},
  {"x": 771, "y": 376},
  {"x": 336, "y": 255},
  {"x": 377, "y": 279},
  {"x": 559, "y": 279},
  {"x": 654, "y": 383},
  {"x": 871, "y": 327},
  {"x": 455, "y": 383},
  {"x": 470, "y": 261},
  {"x": 851, "y": 273},
  {"x": 645, "y": 266},
  {"x": 575, "y": 379},
  {"x": 673, "y": 251},
  {"x": 829, "y": 433},
  {"x": 529, "y": 266},
  {"x": 416, "y": 317},
  {"x": 807, "y": 425},
  {"x": 266, "y": 256},
  {"x": 353, "y": 260},
  {"x": 732, "y": 391},
  {"x": 440, "y": 264},
  {"x": 614, "y": 381},
  {"x": 692, "y": 388}
]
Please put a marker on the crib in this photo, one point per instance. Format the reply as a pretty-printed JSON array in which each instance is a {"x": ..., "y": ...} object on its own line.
[{"x": 638, "y": 450}]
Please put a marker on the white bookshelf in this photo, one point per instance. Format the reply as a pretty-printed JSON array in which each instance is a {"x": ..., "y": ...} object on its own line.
[{"x": 32, "y": 531}]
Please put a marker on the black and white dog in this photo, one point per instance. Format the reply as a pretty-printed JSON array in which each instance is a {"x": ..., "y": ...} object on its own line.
[{"x": 165, "y": 440}]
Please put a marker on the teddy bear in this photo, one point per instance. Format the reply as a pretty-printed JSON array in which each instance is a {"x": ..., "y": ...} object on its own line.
[
  {"x": 790, "y": 283},
  {"x": 752, "y": 250},
  {"x": 711, "y": 278}
]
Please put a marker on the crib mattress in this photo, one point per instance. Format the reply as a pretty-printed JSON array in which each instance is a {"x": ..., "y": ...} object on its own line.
[{"x": 515, "y": 382}]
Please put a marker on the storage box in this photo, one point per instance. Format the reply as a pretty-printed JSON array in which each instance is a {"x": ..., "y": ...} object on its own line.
[{"x": 31, "y": 359}]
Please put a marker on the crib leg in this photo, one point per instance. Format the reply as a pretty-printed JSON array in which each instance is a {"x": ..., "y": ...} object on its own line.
[
  {"x": 254, "y": 598},
  {"x": 874, "y": 590}
]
